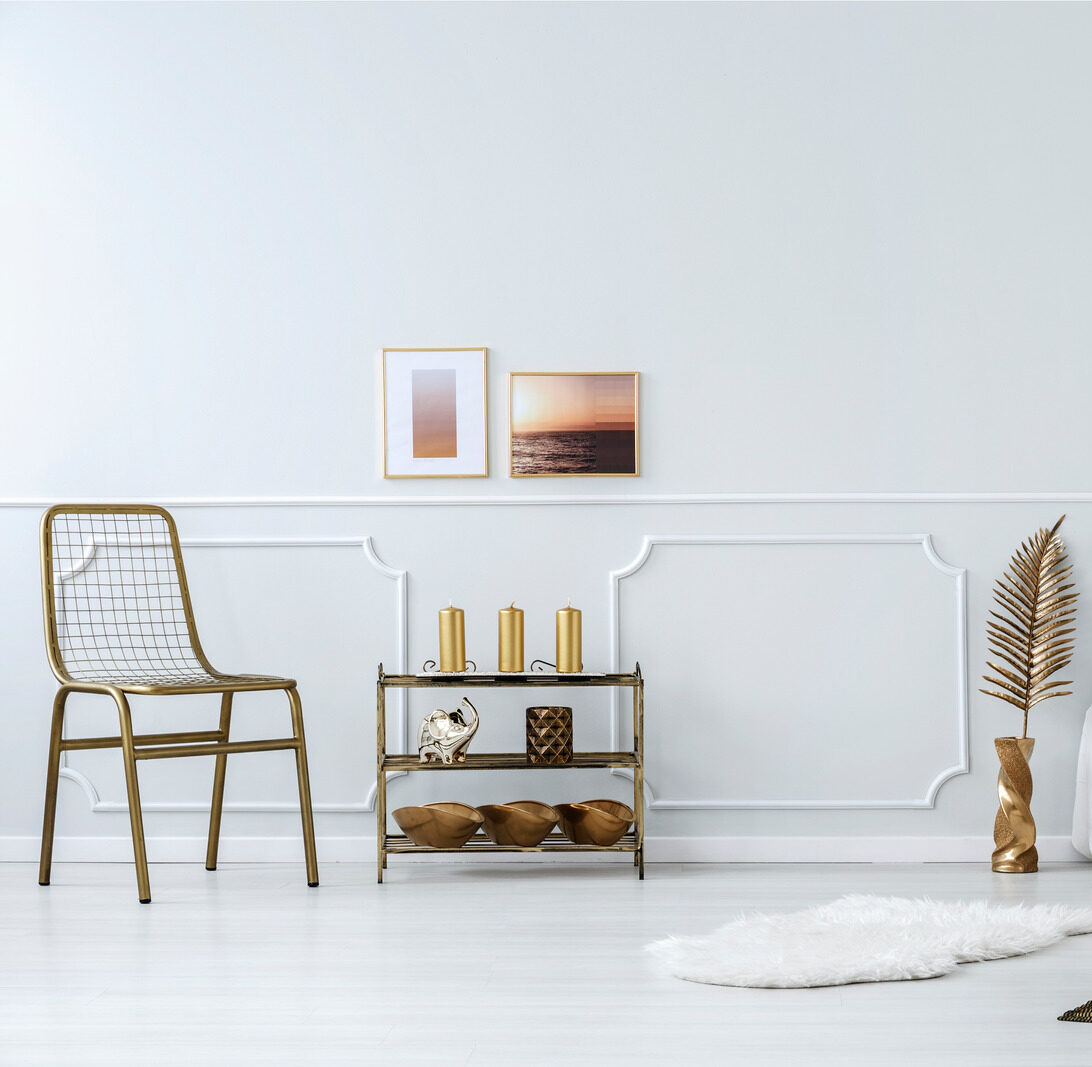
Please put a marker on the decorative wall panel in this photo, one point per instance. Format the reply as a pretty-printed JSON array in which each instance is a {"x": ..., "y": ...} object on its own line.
[{"x": 800, "y": 670}]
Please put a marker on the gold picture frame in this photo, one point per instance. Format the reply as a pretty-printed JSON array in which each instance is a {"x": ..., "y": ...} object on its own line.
[
  {"x": 435, "y": 412},
  {"x": 586, "y": 427}
]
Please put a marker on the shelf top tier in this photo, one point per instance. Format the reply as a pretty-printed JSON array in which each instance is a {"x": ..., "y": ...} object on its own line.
[{"x": 487, "y": 680}]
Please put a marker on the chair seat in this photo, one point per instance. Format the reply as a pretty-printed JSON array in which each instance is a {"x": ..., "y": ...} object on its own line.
[{"x": 178, "y": 680}]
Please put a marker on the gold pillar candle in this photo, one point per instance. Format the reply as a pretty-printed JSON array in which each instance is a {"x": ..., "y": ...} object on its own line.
[
  {"x": 452, "y": 639},
  {"x": 510, "y": 639},
  {"x": 569, "y": 660}
]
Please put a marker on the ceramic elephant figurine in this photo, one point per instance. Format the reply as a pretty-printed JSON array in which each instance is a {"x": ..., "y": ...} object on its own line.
[{"x": 445, "y": 737}]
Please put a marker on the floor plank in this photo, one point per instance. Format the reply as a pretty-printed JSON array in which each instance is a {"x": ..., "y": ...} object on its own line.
[{"x": 495, "y": 964}]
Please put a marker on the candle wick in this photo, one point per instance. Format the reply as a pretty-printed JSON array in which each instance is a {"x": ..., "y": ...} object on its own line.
[
  {"x": 570, "y": 602},
  {"x": 513, "y": 604}
]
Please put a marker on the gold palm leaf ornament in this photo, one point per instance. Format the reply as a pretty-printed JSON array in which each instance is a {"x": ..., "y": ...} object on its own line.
[
  {"x": 1030, "y": 639},
  {"x": 1033, "y": 638}
]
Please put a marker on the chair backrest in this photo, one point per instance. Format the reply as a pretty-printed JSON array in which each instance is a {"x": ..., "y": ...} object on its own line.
[{"x": 117, "y": 607}]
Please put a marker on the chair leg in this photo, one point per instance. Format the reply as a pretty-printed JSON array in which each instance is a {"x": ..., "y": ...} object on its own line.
[
  {"x": 53, "y": 772},
  {"x": 136, "y": 820},
  {"x": 218, "y": 786},
  {"x": 305, "y": 789}
]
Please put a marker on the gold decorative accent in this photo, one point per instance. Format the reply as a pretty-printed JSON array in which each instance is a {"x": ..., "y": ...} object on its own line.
[
  {"x": 442, "y": 825},
  {"x": 569, "y": 658},
  {"x": 510, "y": 639},
  {"x": 452, "y": 639},
  {"x": 445, "y": 736},
  {"x": 1083, "y": 1014},
  {"x": 523, "y": 823},
  {"x": 595, "y": 822},
  {"x": 1014, "y": 828},
  {"x": 118, "y": 620},
  {"x": 550, "y": 735},
  {"x": 1034, "y": 636},
  {"x": 1030, "y": 640}
]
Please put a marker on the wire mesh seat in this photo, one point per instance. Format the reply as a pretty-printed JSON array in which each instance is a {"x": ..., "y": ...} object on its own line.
[{"x": 118, "y": 620}]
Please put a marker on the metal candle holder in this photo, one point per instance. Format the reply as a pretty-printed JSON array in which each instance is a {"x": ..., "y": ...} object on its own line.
[{"x": 430, "y": 666}]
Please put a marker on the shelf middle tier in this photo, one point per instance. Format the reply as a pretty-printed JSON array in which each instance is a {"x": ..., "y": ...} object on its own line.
[{"x": 509, "y": 761}]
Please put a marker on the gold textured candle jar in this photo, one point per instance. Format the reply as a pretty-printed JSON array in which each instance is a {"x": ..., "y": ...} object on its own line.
[
  {"x": 550, "y": 736},
  {"x": 569, "y": 659},
  {"x": 510, "y": 639},
  {"x": 452, "y": 639}
]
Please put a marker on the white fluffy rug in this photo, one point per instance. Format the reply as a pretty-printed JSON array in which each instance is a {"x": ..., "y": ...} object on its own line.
[{"x": 865, "y": 939}]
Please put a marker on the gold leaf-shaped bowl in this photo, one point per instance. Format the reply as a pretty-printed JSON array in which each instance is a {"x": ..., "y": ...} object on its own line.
[
  {"x": 595, "y": 822},
  {"x": 519, "y": 822},
  {"x": 442, "y": 825}
]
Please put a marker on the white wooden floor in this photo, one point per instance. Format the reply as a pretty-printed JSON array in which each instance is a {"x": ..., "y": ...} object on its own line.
[{"x": 502, "y": 964}]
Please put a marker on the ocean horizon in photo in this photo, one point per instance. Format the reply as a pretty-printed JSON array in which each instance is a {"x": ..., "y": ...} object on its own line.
[{"x": 575, "y": 452}]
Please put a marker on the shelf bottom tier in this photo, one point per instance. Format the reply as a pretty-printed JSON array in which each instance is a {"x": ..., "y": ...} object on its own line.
[{"x": 395, "y": 843}]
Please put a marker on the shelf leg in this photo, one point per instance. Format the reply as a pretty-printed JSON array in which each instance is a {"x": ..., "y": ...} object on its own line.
[
  {"x": 380, "y": 781},
  {"x": 639, "y": 775}
]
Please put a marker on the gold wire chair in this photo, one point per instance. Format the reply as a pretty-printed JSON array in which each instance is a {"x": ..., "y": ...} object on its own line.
[{"x": 118, "y": 620}]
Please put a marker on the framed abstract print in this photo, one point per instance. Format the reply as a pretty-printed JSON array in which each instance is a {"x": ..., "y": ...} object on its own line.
[{"x": 434, "y": 413}]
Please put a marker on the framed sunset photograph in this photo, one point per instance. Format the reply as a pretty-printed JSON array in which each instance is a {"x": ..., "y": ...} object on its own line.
[
  {"x": 434, "y": 413},
  {"x": 581, "y": 423}
]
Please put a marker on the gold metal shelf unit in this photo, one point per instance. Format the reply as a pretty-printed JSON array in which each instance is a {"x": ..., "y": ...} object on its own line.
[{"x": 389, "y": 763}]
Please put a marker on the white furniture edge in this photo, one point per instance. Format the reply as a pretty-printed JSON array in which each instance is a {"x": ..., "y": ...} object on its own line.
[{"x": 962, "y": 766}]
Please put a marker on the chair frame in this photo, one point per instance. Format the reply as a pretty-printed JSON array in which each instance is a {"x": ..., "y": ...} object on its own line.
[{"x": 136, "y": 747}]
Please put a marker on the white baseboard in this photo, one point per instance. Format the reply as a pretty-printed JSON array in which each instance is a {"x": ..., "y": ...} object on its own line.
[
  {"x": 657, "y": 850},
  {"x": 842, "y": 849}
]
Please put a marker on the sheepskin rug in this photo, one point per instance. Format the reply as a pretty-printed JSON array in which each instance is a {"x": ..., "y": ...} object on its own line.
[{"x": 865, "y": 939}]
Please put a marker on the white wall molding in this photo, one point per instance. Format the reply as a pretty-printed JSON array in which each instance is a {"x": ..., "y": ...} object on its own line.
[
  {"x": 565, "y": 499},
  {"x": 959, "y": 574},
  {"x": 399, "y": 577},
  {"x": 659, "y": 849}
]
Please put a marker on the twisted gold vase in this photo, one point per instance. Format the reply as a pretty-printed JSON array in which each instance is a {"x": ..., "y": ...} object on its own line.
[{"x": 1014, "y": 828}]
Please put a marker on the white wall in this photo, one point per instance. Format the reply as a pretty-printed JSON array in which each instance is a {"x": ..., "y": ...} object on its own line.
[{"x": 846, "y": 247}]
